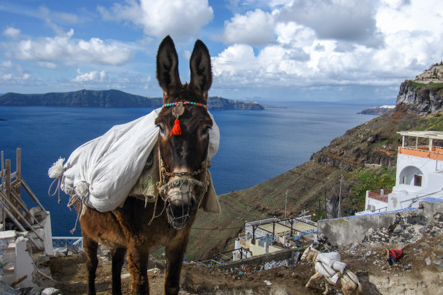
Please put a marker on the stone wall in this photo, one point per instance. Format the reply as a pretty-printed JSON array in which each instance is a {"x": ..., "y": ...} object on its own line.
[{"x": 261, "y": 259}]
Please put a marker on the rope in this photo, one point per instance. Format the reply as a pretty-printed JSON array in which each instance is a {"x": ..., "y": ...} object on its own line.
[
  {"x": 155, "y": 207},
  {"x": 346, "y": 273},
  {"x": 57, "y": 189},
  {"x": 72, "y": 201}
]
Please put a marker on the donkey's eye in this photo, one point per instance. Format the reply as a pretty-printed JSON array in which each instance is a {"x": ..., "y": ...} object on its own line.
[
  {"x": 205, "y": 131},
  {"x": 162, "y": 130}
]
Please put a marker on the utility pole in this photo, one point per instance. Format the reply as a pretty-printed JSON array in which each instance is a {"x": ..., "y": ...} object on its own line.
[
  {"x": 286, "y": 202},
  {"x": 326, "y": 209},
  {"x": 339, "y": 197}
]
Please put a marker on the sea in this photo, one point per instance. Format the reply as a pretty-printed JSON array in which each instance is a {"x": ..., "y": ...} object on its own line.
[{"x": 255, "y": 146}]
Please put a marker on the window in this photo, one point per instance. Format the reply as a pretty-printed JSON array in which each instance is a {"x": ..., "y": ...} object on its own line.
[{"x": 417, "y": 180}]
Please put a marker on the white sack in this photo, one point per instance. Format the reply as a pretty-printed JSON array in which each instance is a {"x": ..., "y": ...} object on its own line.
[
  {"x": 324, "y": 269},
  {"x": 102, "y": 171},
  {"x": 339, "y": 266},
  {"x": 328, "y": 258}
]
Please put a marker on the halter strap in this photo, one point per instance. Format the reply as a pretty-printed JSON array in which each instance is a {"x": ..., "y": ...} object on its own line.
[{"x": 167, "y": 105}]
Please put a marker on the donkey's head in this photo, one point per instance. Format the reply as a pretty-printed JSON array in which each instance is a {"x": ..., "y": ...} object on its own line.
[{"x": 184, "y": 125}]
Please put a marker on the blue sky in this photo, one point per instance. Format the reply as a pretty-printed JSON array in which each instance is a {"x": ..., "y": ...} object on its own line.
[{"x": 318, "y": 50}]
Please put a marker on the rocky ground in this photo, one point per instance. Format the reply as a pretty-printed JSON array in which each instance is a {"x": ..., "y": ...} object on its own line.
[{"x": 419, "y": 271}]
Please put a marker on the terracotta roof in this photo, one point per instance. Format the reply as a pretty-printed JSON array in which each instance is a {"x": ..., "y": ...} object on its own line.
[{"x": 377, "y": 196}]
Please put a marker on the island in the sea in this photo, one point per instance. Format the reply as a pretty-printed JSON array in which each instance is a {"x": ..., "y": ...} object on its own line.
[
  {"x": 111, "y": 98},
  {"x": 377, "y": 110}
]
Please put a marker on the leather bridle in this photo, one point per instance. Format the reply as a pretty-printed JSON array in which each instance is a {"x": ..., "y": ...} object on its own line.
[{"x": 164, "y": 186}]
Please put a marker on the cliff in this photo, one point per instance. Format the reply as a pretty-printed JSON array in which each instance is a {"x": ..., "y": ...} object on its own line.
[
  {"x": 420, "y": 98},
  {"x": 110, "y": 98}
]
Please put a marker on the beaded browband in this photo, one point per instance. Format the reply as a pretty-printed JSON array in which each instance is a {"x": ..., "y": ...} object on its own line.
[
  {"x": 167, "y": 105},
  {"x": 177, "y": 111}
]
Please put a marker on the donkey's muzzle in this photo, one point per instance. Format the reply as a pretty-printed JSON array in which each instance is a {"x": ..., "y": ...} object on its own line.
[{"x": 182, "y": 196}]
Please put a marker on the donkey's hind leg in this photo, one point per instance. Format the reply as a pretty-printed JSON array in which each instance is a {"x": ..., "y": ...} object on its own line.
[
  {"x": 138, "y": 268},
  {"x": 118, "y": 259},
  {"x": 90, "y": 246},
  {"x": 314, "y": 277}
]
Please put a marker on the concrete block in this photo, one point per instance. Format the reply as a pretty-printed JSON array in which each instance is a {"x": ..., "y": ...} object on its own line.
[
  {"x": 24, "y": 263},
  {"x": 8, "y": 235}
]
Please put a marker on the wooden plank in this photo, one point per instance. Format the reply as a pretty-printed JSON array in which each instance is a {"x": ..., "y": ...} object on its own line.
[
  {"x": 18, "y": 166},
  {"x": 18, "y": 213},
  {"x": 16, "y": 183},
  {"x": 31, "y": 194},
  {"x": 8, "y": 181},
  {"x": 24, "y": 207},
  {"x": 16, "y": 222},
  {"x": 13, "y": 174}
]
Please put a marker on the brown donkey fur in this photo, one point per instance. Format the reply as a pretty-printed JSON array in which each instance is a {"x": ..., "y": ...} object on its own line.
[{"x": 128, "y": 229}]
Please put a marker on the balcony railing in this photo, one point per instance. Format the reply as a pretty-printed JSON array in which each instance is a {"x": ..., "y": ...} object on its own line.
[{"x": 435, "y": 153}]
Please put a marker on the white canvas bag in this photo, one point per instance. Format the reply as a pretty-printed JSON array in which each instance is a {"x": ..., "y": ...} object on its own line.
[{"x": 102, "y": 171}]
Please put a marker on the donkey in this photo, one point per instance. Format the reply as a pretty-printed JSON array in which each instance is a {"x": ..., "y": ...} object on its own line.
[
  {"x": 348, "y": 281},
  {"x": 135, "y": 228}
]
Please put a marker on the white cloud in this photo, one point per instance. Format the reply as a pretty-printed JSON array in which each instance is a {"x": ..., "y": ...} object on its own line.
[
  {"x": 69, "y": 50},
  {"x": 254, "y": 28},
  {"x": 179, "y": 18},
  {"x": 236, "y": 58},
  {"x": 7, "y": 64},
  {"x": 333, "y": 42},
  {"x": 293, "y": 35},
  {"x": 125, "y": 81},
  {"x": 13, "y": 75},
  {"x": 47, "y": 64},
  {"x": 11, "y": 32},
  {"x": 91, "y": 76}
]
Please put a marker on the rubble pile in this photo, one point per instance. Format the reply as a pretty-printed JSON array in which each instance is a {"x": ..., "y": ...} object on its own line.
[
  {"x": 11, "y": 289},
  {"x": 405, "y": 230},
  {"x": 413, "y": 234}
]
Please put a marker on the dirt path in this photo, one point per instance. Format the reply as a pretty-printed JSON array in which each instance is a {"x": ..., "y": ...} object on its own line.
[
  {"x": 69, "y": 272},
  {"x": 412, "y": 275}
]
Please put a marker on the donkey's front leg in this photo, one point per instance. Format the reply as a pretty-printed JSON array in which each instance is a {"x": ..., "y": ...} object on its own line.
[
  {"x": 138, "y": 268},
  {"x": 175, "y": 252},
  {"x": 118, "y": 259}
]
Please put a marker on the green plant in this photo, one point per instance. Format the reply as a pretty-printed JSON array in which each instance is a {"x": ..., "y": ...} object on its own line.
[
  {"x": 367, "y": 179},
  {"x": 318, "y": 214}
]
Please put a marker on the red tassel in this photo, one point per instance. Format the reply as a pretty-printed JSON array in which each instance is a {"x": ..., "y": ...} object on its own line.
[{"x": 176, "y": 129}]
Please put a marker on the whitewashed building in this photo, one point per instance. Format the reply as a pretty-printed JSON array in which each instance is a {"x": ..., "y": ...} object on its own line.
[{"x": 419, "y": 174}]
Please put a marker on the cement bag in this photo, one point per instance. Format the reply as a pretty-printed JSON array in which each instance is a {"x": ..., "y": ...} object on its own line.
[
  {"x": 324, "y": 269},
  {"x": 339, "y": 266},
  {"x": 328, "y": 258}
]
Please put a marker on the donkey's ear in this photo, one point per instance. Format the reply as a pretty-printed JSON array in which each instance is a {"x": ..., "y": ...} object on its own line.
[
  {"x": 167, "y": 66},
  {"x": 201, "y": 72}
]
